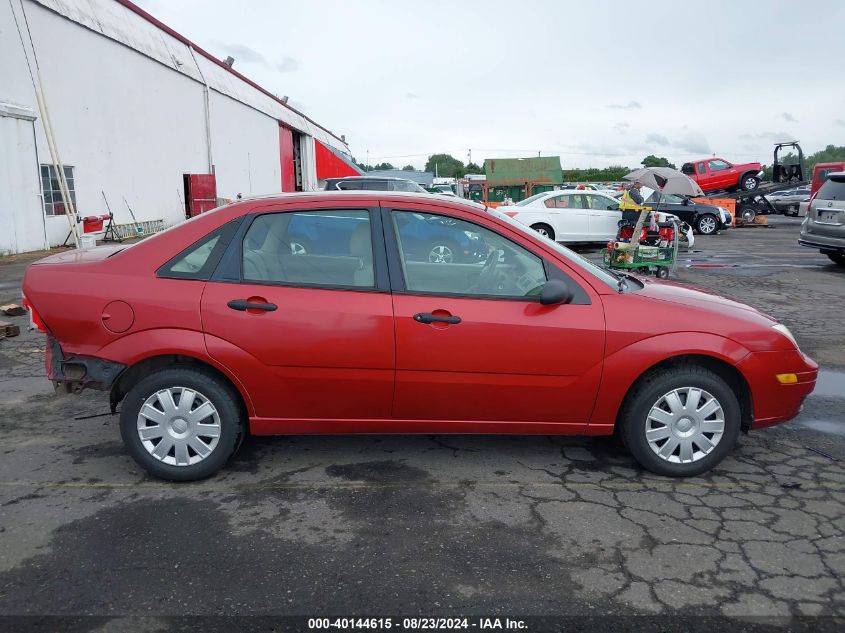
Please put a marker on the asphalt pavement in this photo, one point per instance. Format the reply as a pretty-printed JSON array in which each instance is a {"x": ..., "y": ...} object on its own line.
[{"x": 438, "y": 525}]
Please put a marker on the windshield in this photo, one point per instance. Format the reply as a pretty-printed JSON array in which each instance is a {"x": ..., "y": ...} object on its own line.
[
  {"x": 608, "y": 277},
  {"x": 527, "y": 201}
]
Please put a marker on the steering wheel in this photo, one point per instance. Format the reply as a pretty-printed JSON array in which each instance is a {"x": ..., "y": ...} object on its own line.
[{"x": 487, "y": 277}]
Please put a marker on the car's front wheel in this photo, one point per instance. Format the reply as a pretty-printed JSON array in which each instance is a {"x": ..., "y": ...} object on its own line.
[
  {"x": 706, "y": 224},
  {"x": 837, "y": 258},
  {"x": 182, "y": 423},
  {"x": 681, "y": 422}
]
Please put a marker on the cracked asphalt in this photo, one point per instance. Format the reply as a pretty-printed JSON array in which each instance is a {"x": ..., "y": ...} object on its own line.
[{"x": 439, "y": 525}]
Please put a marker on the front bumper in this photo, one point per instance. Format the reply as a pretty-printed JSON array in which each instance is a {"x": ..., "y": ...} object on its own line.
[{"x": 773, "y": 402}]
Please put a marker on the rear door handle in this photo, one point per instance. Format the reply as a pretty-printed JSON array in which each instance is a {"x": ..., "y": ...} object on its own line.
[
  {"x": 427, "y": 317},
  {"x": 242, "y": 305}
]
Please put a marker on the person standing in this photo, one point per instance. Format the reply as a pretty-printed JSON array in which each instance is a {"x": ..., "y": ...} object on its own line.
[{"x": 631, "y": 203}]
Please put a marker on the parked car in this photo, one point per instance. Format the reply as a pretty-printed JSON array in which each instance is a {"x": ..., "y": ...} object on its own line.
[
  {"x": 569, "y": 215},
  {"x": 713, "y": 174},
  {"x": 706, "y": 219},
  {"x": 788, "y": 201},
  {"x": 824, "y": 226},
  {"x": 202, "y": 334},
  {"x": 380, "y": 183}
]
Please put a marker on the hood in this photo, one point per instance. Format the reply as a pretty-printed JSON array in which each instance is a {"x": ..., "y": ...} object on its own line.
[
  {"x": 682, "y": 295},
  {"x": 79, "y": 256}
]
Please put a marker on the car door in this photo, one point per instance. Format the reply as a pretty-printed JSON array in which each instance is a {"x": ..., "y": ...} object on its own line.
[
  {"x": 724, "y": 176},
  {"x": 308, "y": 332},
  {"x": 604, "y": 216},
  {"x": 569, "y": 217},
  {"x": 475, "y": 348}
]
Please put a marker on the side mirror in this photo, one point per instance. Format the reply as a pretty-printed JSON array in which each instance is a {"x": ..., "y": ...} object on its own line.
[
  {"x": 555, "y": 292},
  {"x": 686, "y": 202}
]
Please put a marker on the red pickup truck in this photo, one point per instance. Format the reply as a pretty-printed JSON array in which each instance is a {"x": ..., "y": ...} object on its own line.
[{"x": 713, "y": 174}]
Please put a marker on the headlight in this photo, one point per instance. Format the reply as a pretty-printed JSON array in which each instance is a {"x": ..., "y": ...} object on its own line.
[{"x": 785, "y": 331}]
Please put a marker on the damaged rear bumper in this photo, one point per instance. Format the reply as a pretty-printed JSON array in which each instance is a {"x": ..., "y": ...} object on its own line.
[{"x": 75, "y": 373}]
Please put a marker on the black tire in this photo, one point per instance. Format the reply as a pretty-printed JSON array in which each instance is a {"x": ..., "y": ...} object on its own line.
[
  {"x": 707, "y": 224},
  {"x": 747, "y": 214},
  {"x": 749, "y": 182},
  {"x": 662, "y": 272},
  {"x": 544, "y": 229},
  {"x": 649, "y": 391},
  {"x": 837, "y": 258},
  {"x": 212, "y": 388}
]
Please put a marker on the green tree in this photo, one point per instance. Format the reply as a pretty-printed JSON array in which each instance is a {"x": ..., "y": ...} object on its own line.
[
  {"x": 656, "y": 161},
  {"x": 380, "y": 166},
  {"x": 595, "y": 174},
  {"x": 445, "y": 166},
  {"x": 472, "y": 168},
  {"x": 408, "y": 168},
  {"x": 830, "y": 153}
]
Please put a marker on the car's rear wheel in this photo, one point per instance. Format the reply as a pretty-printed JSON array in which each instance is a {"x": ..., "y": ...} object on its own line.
[
  {"x": 544, "y": 229},
  {"x": 706, "y": 224},
  {"x": 681, "y": 422},
  {"x": 182, "y": 423},
  {"x": 837, "y": 258}
]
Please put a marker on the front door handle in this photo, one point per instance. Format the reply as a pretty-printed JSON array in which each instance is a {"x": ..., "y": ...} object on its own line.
[
  {"x": 242, "y": 305},
  {"x": 427, "y": 317}
]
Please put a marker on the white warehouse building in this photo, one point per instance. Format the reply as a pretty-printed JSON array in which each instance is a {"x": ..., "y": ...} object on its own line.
[{"x": 144, "y": 122}]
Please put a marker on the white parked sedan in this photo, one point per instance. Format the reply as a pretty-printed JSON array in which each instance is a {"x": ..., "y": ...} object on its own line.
[{"x": 572, "y": 215}]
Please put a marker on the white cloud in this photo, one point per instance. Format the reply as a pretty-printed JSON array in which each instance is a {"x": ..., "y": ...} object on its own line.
[
  {"x": 631, "y": 105},
  {"x": 288, "y": 64},
  {"x": 657, "y": 139}
]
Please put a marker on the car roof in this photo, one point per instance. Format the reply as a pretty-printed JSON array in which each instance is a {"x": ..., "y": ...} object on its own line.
[
  {"x": 370, "y": 178},
  {"x": 382, "y": 196}
]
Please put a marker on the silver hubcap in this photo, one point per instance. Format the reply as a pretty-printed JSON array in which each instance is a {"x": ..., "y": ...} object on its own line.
[
  {"x": 179, "y": 426},
  {"x": 684, "y": 425},
  {"x": 750, "y": 183},
  {"x": 707, "y": 225},
  {"x": 542, "y": 231},
  {"x": 440, "y": 255}
]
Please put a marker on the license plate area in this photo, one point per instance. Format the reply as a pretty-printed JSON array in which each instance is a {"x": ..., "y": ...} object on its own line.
[{"x": 830, "y": 216}]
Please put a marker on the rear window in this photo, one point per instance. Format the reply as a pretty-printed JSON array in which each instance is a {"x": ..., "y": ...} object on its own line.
[{"x": 833, "y": 189}]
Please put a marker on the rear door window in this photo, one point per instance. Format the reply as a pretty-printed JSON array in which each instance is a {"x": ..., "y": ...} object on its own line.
[
  {"x": 832, "y": 189},
  {"x": 313, "y": 248}
]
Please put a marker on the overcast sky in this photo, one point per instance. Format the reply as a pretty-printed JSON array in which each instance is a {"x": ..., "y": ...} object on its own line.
[{"x": 597, "y": 83}]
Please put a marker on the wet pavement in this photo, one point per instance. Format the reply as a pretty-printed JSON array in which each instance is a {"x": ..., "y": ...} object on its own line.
[{"x": 439, "y": 525}]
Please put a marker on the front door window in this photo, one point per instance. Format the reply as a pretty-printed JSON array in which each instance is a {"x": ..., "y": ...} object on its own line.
[{"x": 441, "y": 255}]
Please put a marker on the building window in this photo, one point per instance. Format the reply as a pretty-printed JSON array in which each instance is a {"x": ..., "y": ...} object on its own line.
[{"x": 53, "y": 204}]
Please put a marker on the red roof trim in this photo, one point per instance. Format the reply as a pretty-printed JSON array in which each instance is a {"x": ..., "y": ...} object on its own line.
[{"x": 158, "y": 23}]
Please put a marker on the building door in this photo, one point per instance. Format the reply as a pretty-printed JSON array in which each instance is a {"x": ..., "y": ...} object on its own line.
[
  {"x": 287, "y": 158},
  {"x": 200, "y": 193},
  {"x": 21, "y": 210}
]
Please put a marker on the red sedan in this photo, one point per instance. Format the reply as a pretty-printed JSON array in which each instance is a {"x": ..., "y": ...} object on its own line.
[{"x": 376, "y": 312}]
